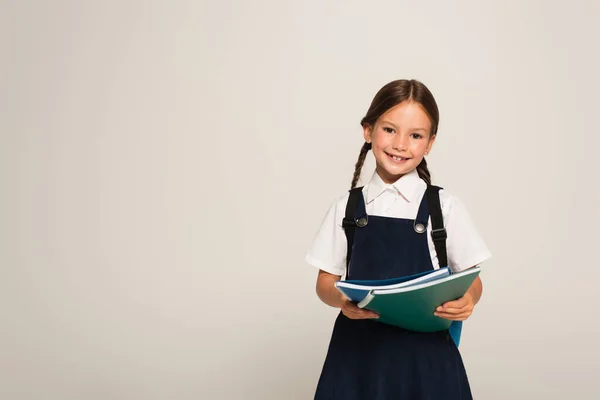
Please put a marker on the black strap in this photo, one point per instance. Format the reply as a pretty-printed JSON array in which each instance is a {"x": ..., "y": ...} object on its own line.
[
  {"x": 349, "y": 222},
  {"x": 438, "y": 232}
]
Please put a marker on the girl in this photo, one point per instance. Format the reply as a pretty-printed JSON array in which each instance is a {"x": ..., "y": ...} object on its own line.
[{"x": 366, "y": 359}]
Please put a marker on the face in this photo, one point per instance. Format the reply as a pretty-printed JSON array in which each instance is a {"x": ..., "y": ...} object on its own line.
[{"x": 400, "y": 139}]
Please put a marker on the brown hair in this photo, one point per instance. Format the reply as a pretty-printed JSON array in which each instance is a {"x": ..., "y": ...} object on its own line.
[{"x": 389, "y": 96}]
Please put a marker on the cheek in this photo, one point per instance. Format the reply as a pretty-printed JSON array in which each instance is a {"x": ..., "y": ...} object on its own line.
[
  {"x": 419, "y": 147},
  {"x": 381, "y": 141}
]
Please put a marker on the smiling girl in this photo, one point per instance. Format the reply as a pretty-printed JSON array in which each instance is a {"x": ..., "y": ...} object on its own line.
[{"x": 367, "y": 359}]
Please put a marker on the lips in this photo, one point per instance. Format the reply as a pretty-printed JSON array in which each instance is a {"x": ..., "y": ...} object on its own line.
[{"x": 397, "y": 158}]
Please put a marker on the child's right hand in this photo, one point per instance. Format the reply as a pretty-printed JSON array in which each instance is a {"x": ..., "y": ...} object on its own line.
[{"x": 352, "y": 311}]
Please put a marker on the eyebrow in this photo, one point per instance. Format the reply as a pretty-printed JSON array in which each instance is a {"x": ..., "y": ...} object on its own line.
[{"x": 414, "y": 129}]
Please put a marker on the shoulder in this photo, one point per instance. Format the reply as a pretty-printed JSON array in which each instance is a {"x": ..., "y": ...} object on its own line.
[
  {"x": 453, "y": 209},
  {"x": 465, "y": 246},
  {"x": 448, "y": 201}
]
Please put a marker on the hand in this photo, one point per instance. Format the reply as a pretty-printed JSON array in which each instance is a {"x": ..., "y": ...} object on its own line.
[
  {"x": 352, "y": 311},
  {"x": 457, "y": 310}
]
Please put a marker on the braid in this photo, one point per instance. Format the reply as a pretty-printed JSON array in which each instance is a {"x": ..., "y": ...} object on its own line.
[
  {"x": 359, "y": 163},
  {"x": 424, "y": 171}
]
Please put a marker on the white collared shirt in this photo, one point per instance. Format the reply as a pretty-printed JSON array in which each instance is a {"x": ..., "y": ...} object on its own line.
[{"x": 400, "y": 199}]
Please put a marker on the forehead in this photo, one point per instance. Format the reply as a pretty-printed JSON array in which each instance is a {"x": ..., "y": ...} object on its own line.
[{"x": 408, "y": 114}]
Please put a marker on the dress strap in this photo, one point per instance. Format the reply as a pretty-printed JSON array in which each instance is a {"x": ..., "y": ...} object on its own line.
[
  {"x": 422, "y": 219},
  {"x": 438, "y": 232},
  {"x": 439, "y": 236},
  {"x": 356, "y": 216}
]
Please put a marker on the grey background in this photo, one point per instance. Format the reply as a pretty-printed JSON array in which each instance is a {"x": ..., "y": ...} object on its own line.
[{"x": 165, "y": 165}]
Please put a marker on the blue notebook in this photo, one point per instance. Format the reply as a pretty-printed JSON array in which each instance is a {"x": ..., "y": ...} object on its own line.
[{"x": 357, "y": 290}]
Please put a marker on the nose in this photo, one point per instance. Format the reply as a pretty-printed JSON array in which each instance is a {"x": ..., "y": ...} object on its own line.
[{"x": 400, "y": 142}]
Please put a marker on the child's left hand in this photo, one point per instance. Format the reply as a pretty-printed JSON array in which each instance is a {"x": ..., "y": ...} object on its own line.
[{"x": 457, "y": 310}]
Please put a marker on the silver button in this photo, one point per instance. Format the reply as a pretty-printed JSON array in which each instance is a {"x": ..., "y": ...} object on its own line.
[
  {"x": 420, "y": 228},
  {"x": 361, "y": 222}
]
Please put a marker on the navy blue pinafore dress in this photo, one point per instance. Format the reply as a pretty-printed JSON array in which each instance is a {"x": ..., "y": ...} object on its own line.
[{"x": 370, "y": 360}]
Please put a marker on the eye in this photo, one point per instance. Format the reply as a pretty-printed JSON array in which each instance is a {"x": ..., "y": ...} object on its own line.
[
  {"x": 416, "y": 135},
  {"x": 388, "y": 129}
]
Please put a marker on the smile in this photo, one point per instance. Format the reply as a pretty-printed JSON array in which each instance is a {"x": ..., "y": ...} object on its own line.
[{"x": 397, "y": 158}]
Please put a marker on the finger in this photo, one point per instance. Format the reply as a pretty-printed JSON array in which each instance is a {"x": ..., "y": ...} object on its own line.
[
  {"x": 462, "y": 303},
  {"x": 454, "y": 310},
  {"x": 459, "y": 303},
  {"x": 362, "y": 311},
  {"x": 353, "y": 311},
  {"x": 367, "y": 313},
  {"x": 454, "y": 317},
  {"x": 351, "y": 306},
  {"x": 352, "y": 315}
]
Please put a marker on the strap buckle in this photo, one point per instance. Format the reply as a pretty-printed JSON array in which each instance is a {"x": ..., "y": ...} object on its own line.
[
  {"x": 352, "y": 223},
  {"x": 439, "y": 234},
  {"x": 348, "y": 223}
]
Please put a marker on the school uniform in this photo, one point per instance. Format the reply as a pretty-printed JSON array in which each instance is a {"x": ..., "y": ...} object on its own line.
[{"x": 371, "y": 360}]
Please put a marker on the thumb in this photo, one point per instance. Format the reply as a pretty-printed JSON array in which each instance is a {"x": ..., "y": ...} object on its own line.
[{"x": 458, "y": 303}]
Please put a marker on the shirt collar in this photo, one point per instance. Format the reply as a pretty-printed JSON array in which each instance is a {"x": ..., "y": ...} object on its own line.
[{"x": 406, "y": 186}]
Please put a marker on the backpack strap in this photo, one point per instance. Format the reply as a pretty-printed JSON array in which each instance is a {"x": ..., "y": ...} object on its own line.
[
  {"x": 439, "y": 236},
  {"x": 350, "y": 221},
  {"x": 438, "y": 232}
]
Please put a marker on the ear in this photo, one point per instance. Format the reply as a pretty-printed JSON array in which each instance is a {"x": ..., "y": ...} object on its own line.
[
  {"x": 430, "y": 144},
  {"x": 368, "y": 130}
]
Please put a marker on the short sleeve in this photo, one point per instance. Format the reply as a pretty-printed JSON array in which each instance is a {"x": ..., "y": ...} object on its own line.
[
  {"x": 465, "y": 247},
  {"x": 328, "y": 249}
]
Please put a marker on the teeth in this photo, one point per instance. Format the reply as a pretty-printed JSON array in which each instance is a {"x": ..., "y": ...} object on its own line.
[{"x": 397, "y": 158}]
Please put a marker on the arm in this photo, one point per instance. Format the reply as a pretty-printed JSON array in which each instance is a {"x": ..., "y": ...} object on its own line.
[
  {"x": 476, "y": 290},
  {"x": 326, "y": 289},
  {"x": 465, "y": 248},
  {"x": 329, "y": 295},
  {"x": 461, "y": 309}
]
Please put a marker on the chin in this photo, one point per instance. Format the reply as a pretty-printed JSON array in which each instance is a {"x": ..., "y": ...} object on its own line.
[
  {"x": 395, "y": 169},
  {"x": 395, "y": 172}
]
